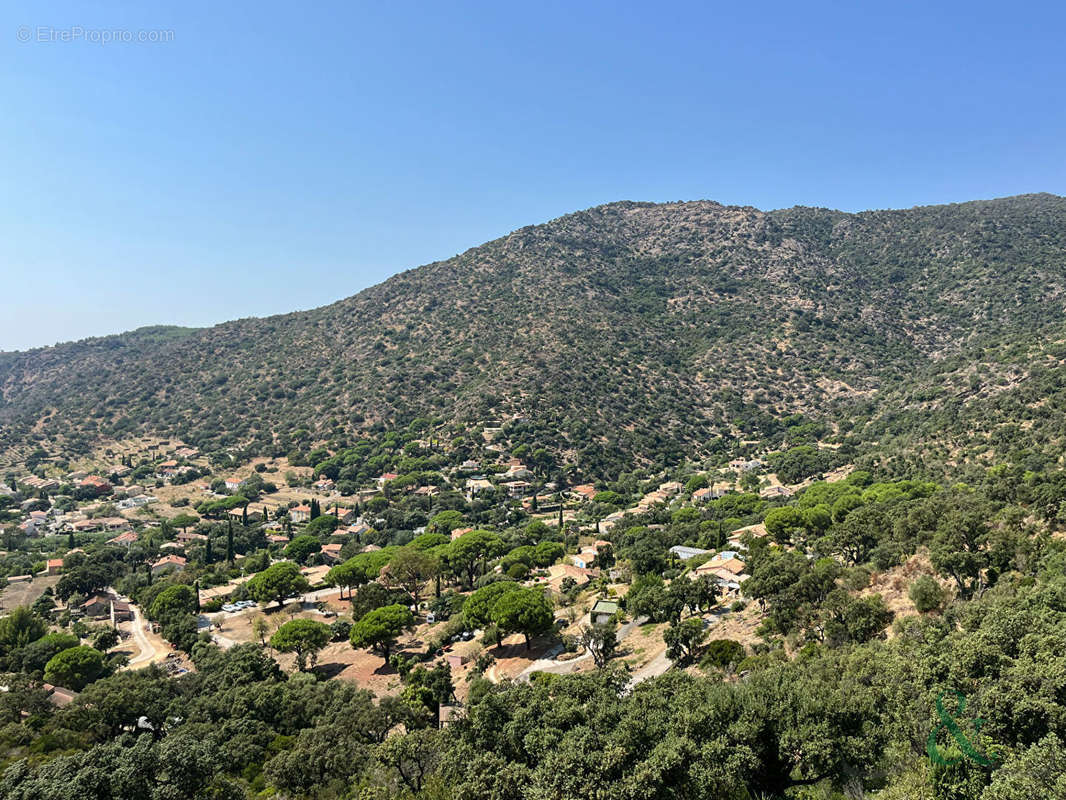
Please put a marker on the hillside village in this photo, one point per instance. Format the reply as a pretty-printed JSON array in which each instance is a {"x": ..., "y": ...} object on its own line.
[{"x": 83, "y": 546}]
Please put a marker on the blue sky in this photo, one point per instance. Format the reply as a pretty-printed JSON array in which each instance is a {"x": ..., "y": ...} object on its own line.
[{"x": 271, "y": 157}]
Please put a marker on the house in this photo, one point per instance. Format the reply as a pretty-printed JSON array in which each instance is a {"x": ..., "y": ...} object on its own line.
[
  {"x": 745, "y": 465},
  {"x": 188, "y": 537},
  {"x": 470, "y": 465},
  {"x": 324, "y": 485},
  {"x": 603, "y": 611},
  {"x": 758, "y": 531},
  {"x": 31, "y": 527},
  {"x": 685, "y": 553},
  {"x": 385, "y": 478},
  {"x": 557, "y": 573},
  {"x": 457, "y": 532},
  {"x": 670, "y": 488},
  {"x": 120, "y": 611},
  {"x": 585, "y": 491},
  {"x": 125, "y": 539},
  {"x": 96, "y": 483},
  {"x": 168, "y": 564},
  {"x": 277, "y": 538},
  {"x": 331, "y": 553},
  {"x": 85, "y": 525},
  {"x": 53, "y": 566},
  {"x": 711, "y": 493},
  {"x": 518, "y": 472},
  {"x": 59, "y": 696},
  {"x": 357, "y": 530},
  {"x": 516, "y": 488},
  {"x": 234, "y": 483},
  {"x": 477, "y": 486},
  {"x": 427, "y": 491},
  {"x": 97, "y": 607},
  {"x": 114, "y": 523},
  {"x": 300, "y": 513},
  {"x": 41, "y": 484},
  {"x": 726, "y": 560},
  {"x": 585, "y": 558},
  {"x": 775, "y": 491},
  {"x": 238, "y": 514},
  {"x": 346, "y": 516}
]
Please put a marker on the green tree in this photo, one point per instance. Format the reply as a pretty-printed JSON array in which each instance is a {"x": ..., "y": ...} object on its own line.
[
  {"x": 277, "y": 583},
  {"x": 600, "y": 640},
  {"x": 411, "y": 569},
  {"x": 477, "y": 609},
  {"x": 177, "y": 599},
  {"x": 19, "y": 628},
  {"x": 75, "y": 668},
  {"x": 783, "y": 523},
  {"x": 305, "y": 637},
  {"x": 683, "y": 638},
  {"x": 926, "y": 593},
  {"x": 379, "y": 629},
  {"x": 301, "y": 548},
  {"x": 471, "y": 550},
  {"x": 184, "y": 521},
  {"x": 525, "y": 611},
  {"x": 36, "y": 654}
]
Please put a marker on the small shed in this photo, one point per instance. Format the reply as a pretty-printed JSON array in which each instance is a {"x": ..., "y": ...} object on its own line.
[{"x": 603, "y": 611}]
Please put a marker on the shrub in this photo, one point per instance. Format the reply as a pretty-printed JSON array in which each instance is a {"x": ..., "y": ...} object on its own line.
[{"x": 926, "y": 594}]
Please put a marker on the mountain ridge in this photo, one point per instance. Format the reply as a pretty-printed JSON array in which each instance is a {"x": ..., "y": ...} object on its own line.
[{"x": 627, "y": 331}]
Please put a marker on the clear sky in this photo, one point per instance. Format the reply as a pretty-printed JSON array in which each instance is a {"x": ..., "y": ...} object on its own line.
[{"x": 268, "y": 157}]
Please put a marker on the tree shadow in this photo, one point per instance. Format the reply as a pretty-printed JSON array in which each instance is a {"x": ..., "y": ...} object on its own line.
[{"x": 329, "y": 669}]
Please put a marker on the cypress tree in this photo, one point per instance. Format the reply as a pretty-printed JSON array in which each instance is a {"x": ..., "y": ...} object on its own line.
[{"x": 229, "y": 540}]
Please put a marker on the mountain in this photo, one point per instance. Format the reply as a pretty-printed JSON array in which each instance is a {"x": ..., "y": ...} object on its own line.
[{"x": 625, "y": 334}]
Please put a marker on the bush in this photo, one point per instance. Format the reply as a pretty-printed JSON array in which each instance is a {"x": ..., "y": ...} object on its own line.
[
  {"x": 721, "y": 653},
  {"x": 926, "y": 594},
  {"x": 340, "y": 630}
]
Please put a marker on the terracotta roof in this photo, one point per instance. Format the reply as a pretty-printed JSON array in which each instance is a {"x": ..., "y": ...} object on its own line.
[{"x": 171, "y": 559}]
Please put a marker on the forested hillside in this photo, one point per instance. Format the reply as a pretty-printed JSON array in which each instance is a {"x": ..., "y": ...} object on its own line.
[{"x": 629, "y": 333}]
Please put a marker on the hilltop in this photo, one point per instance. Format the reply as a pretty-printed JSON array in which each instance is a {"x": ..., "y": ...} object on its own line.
[{"x": 630, "y": 333}]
